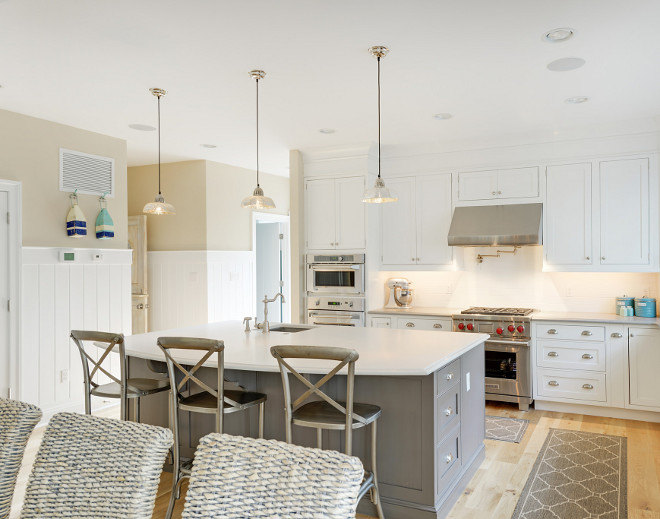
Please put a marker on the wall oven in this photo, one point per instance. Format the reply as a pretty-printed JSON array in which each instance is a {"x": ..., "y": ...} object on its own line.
[
  {"x": 335, "y": 311},
  {"x": 341, "y": 275}
]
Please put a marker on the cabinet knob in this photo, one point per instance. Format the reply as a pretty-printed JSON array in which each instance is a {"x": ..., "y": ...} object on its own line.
[
  {"x": 603, "y": 258},
  {"x": 450, "y": 375},
  {"x": 437, "y": 325},
  {"x": 631, "y": 335},
  {"x": 553, "y": 383},
  {"x": 499, "y": 192},
  {"x": 449, "y": 458},
  {"x": 553, "y": 354},
  {"x": 587, "y": 333},
  {"x": 587, "y": 258},
  {"x": 494, "y": 193},
  {"x": 552, "y": 331},
  {"x": 616, "y": 335},
  {"x": 417, "y": 259},
  {"x": 587, "y": 386},
  {"x": 412, "y": 259},
  {"x": 448, "y": 411},
  {"x": 410, "y": 325},
  {"x": 587, "y": 356}
]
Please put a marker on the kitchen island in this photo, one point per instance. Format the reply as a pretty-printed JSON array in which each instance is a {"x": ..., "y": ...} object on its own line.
[{"x": 429, "y": 385}]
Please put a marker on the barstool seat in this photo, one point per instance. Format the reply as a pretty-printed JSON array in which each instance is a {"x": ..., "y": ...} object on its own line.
[
  {"x": 205, "y": 402},
  {"x": 321, "y": 414},
  {"x": 135, "y": 388}
]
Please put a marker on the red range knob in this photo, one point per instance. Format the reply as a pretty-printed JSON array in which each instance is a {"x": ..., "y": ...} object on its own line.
[
  {"x": 521, "y": 328},
  {"x": 499, "y": 331},
  {"x": 461, "y": 326},
  {"x": 511, "y": 328},
  {"x": 470, "y": 326}
]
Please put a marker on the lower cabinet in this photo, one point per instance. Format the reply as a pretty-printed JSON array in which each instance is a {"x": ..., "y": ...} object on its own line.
[
  {"x": 411, "y": 322},
  {"x": 575, "y": 385},
  {"x": 643, "y": 365},
  {"x": 380, "y": 322}
]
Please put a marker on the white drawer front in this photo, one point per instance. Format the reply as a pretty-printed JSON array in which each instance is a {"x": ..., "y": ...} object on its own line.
[
  {"x": 570, "y": 355},
  {"x": 570, "y": 332},
  {"x": 424, "y": 323},
  {"x": 576, "y": 385}
]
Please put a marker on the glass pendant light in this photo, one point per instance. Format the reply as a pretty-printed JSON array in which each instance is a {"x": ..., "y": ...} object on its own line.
[
  {"x": 158, "y": 206},
  {"x": 257, "y": 200},
  {"x": 379, "y": 194}
]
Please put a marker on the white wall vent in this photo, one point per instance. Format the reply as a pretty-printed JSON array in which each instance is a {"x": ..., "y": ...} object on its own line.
[{"x": 89, "y": 174}]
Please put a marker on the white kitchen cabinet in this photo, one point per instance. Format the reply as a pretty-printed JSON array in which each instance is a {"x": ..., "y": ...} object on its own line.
[
  {"x": 624, "y": 212},
  {"x": 643, "y": 363},
  {"x": 414, "y": 230},
  {"x": 568, "y": 220},
  {"x": 498, "y": 184},
  {"x": 335, "y": 213},
  {"x": 438, "y": 324},
  {"x": 380, "y": 322}
]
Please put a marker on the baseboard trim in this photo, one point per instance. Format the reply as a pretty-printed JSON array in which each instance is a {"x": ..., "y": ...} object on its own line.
[{"x": 607, "y": 412}]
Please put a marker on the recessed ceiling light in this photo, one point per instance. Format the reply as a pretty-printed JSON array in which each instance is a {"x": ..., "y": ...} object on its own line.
[
  {"x": 565, "y": 64},
  {"x": 141, "y": 127},
  {"x": 576, "y": 100},
  {"x": 327, "y": 130},
  {"x": 208, "y": 145},
  {"x": 557, "y": 35},
  {"x": 442, "y": 116}
]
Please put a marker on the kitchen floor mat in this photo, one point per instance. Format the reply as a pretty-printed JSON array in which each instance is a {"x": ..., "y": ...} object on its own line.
[{"x": 505, "y": 429}]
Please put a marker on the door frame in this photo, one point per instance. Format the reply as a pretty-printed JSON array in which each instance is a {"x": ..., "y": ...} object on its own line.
[
  {"x": 286, "y": 245},
  {"x": 14, "y": 192}
]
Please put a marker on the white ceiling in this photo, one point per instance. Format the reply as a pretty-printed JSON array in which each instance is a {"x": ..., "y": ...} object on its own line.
[{"x": 90, "y": 63}]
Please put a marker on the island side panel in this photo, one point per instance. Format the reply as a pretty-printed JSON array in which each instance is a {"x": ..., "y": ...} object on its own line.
[{"x": 473, "y": 418}]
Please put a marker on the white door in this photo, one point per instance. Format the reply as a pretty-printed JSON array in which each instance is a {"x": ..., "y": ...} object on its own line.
[
  {"x": 270, "y": 269},
  {"x": 433, "y": 219},
  {"x": 320, "y": 212},
  {"x": 477, "y": 185},
  {"x": 398, "y": 224},
  {"x": 349, "y": 209},
  {"x": 518, "y": 183},
  {"x": 624, "y": 212},
  {"x": 4, "y": 296},
  {"x": 568, "y": 238},
  {"x": 644, "y": 359}
]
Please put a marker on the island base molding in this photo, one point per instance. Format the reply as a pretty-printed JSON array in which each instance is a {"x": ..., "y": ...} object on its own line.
[{"x": 592, "y": 410}]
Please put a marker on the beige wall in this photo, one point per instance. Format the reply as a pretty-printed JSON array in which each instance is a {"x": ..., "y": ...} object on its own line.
[
  {"x": 29, "y": 153},
  {"x": 184, "y": 186},
  {"x": 229, "y": 227}
]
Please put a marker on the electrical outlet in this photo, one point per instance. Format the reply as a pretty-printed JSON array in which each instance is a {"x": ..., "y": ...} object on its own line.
[
  {"x": 467, "y": 381},
  {"x": 97, "y": 257},
  {"x": 64, "y": 376},
  {"x": 569, "y": 292}
]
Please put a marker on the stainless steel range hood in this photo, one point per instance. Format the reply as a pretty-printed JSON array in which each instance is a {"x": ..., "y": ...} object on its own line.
[{"x": 496, "y": 225}]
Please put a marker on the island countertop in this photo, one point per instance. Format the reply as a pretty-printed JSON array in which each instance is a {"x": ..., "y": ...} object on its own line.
[{"x": 382, "y": 351}]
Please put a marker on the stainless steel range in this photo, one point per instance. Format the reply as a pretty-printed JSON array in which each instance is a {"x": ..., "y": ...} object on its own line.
[{"x": 508, "y": 359}]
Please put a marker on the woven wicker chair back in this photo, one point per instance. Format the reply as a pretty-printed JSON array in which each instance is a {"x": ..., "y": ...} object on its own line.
[
  {"x": 17, "y": 421},
  {"x": 91, "y": 467},
  {"x": 235, "y": 476}
]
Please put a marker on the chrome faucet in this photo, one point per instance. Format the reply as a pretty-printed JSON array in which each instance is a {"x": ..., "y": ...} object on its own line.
[{"x": 265, "y": 325}]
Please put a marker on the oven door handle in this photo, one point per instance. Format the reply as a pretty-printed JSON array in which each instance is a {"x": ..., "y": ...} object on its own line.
[
  {"x": 338, "y": 268},
  {"x": 508, "y": 343},
  {"x": 334, "y": 324},
  {"x": 332, "y": 315}
]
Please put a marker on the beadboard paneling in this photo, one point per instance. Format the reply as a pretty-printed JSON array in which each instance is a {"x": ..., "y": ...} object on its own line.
[{"x": 231, "y": 285}]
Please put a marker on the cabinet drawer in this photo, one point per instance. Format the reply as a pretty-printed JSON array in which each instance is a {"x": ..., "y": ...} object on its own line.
[
  {"x": 447, "y": 377},
  {"x": 570, "y": 355},
  {"x": 447, "y": 411},
  {"x": 571, "y": 332},
  {"x": 576, "y": 385},
  {"x": 447, "y": 461},
  {"x": 424, "y": 323}
]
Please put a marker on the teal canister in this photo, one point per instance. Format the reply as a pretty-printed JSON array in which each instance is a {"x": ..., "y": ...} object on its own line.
[
  {"x": 645, "y": 307},
  {"x": 623, "y": 301}
]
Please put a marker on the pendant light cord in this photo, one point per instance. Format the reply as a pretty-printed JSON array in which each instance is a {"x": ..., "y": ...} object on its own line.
[
  {"x": 257, "y": 132},
  {"x": 159, "y": 145},
  {"x": 378, "y": 58}
]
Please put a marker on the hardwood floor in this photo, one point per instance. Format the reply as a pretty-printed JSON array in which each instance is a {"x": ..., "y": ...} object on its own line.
[{"x": 499, "y": 481}]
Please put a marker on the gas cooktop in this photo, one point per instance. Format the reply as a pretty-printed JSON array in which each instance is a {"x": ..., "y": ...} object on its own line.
[{"x": 484, "y": 310}]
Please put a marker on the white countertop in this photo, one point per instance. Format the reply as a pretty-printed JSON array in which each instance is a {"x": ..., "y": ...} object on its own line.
[
  {"x": 595, "y": 318},
  {"x": 382, "y": 351},
  {"x": 422, "y": 311}
]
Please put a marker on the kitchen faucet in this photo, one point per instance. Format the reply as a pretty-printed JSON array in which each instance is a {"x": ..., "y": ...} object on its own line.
[{"x": 265, "y": 326}]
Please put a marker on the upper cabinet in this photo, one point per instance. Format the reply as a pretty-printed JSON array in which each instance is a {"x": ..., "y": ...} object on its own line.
[
  {"x": 414, "y": 230},
  {"x": 335, "y": 213},
  {"x": 498, "y": 184}
]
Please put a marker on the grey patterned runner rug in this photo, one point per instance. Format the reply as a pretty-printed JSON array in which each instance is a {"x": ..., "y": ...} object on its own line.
[
  {"x": 505, "y": 429},
  {"x": 577, "y": 475}
]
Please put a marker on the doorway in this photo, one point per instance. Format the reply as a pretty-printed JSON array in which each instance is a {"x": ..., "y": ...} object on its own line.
[{"x": 272, "y": 265}]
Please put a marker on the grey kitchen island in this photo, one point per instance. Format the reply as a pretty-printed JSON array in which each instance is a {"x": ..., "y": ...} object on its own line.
[{"x": 429, "y": 385}]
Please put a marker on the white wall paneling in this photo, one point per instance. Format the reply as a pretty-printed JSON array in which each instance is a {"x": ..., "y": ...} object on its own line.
[{"x": 59, "y": 297}]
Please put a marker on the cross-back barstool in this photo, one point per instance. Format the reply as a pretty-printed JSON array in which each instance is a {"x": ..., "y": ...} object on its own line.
[
  {"x": 329, "y": 413},
  {"x": 122, "y": 387},
  {"x": 210, "y": 401}
]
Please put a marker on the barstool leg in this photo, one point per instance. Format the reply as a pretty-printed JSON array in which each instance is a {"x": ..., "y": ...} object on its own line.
[
  {"x": 176, "y": 461},
  {"x": 319, "y": 438},
  {"x": 137, "y": 409},
  {"x": 262, "y": 413},
  {"x": 374, "y": 470}
]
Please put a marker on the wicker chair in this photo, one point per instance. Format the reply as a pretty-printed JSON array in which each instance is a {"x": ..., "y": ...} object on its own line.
[
  {"x": 90, "y": 468},
  {"x": 17, "y": 421},
  {"x": 237, "y": 477}
]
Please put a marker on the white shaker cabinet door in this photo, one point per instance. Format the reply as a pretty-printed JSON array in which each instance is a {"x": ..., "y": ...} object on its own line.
[
  {"x": 434, "y": 213},
  {"x": 350, "y": 213},
  {"x": 320, "y": 211},
  {"x": 477, "y": 185},
  {"x": 644, "y": 359},
  {"x": 568, "y": 234},
  {"x": 624, "y": 212},
  {"x": 398, "y": 224},
  {"x": 518, "y": 183}
]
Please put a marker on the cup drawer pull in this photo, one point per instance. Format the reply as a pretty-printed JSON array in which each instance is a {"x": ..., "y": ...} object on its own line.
[
  {"x": 449, "y": 458},
  {"x": 448, "y": 411},
  {"x": 553, "y": 383},
  {"x": 553, "y": 354},
  {"x": 586, "y": 332},
  {"x": 587, "y": 386},
  {"x": 587, "y": 356},
  {"x": 410, "y": 325},
  {"x": 616, "y": 335},
  {"x": 552, "y": 331},
  {"x": 437, "y": 325}
]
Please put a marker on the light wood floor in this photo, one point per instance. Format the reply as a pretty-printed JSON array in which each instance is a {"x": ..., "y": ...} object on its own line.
[{"x": 495, "y": 488}]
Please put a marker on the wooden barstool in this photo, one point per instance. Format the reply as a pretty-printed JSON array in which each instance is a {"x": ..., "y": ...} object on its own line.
[
  {"x": 210, "y": 401},
  {"x": 329, "y": 413},
  {"x": 122, "y": 387}
]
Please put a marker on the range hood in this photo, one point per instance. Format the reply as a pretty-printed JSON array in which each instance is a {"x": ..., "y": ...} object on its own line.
[{"x": 496, "y": 225}]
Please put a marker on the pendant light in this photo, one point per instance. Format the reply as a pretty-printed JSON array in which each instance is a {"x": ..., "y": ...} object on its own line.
[
  {"x": 257, "y": 200},
  {"x": 379, "y": 194},
  {"x": 158, "y": 206}
]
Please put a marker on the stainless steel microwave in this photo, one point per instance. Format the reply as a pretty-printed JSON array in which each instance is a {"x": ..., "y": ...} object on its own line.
[{"x": 335, "y": 274}]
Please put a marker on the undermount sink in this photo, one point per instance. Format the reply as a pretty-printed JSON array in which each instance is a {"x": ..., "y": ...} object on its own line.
[{"x": 288, "y": 328}]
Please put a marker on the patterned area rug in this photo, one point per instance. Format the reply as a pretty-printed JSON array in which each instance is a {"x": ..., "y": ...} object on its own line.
[
  {"x": 505, "y": 429},
  {"x": 577, "y": 475}
]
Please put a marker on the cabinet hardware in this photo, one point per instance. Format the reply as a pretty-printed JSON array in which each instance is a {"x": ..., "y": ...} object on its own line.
[
  {"x": 587, "y": 258},
  {"x": 437, "y": 325},
  {"x": 412, "y": 259},
  {"x": 450, "y": 375},
  {"x": 552, "y": 331},
  {"x": 494, "y": 193},
  {"x": 448, "y": 411},
  {"x": 587, "y": 356},
  {"x": 603, "y": 258},
  {"x": 553, "y": 383},
  {"x": 140, "y": 307},
  {"x": 499, "y": 192},
  {"x": 631, "y": 335},
  {"x": 616, "y": 335},
  {"x": 417, "y": 259},
  {"x": 586, "y": 332},
  {"x": 449, "y": 458},
  {"x": 553, "y": 354},
  {"x": 587, "y": 386},
  {"x": 410, "y": 325}
]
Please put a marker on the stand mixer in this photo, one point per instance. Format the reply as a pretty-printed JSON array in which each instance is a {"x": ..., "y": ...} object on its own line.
[{"x": 401, "y": 294}]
